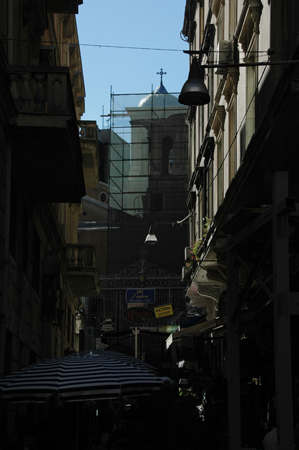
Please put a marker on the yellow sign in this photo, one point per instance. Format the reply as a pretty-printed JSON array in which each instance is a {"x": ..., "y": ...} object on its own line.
[{"x": 163, "y": 311}]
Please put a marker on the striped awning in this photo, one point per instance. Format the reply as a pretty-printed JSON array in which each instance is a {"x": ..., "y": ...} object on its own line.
[{"x": 81, "y": 377}]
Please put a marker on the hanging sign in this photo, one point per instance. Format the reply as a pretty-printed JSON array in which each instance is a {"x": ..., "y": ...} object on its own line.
[
  {"x": 138, "y": 314},
  {"x": 163, "y": 311},
  {"x": 140, "y": 295}
]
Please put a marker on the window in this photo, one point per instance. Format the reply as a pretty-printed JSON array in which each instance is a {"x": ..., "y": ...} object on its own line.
[
  {"x": 13, "y": 229},
  {"x": 217, "y": 125},
  {"x": 36, "y": 262},
  {"x": 217, "y": 8},
  {"x": 207, "y": 152},
  {"x": 103, "y": 197},
  {"x": 233, "y": 162},
  {"x": 210, "y": 191},
  {"x": 233, "y": 8},
  {"x": 167, "y": 155},
  {"x": 170, "y": 161},
  {"x": 247, "y": 32},
  {"x": 251, "y": 83},
  {"x": 220, "y": 171},
  {"x": 248, "y": 28}
]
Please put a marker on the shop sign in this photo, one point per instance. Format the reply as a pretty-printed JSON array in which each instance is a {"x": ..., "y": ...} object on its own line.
[
  {"x": 140, "y": 295},
  {"x": 163, "y": 311},
  {"x": 138, "y": 314}
]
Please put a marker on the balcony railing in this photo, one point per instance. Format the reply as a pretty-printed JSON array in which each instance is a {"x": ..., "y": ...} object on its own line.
[
  {"x": 46, "y": 151},
  {"x": 89, "y": 146},
  {"x": 81, "y": 256},
  {"x": 87, "y": 130},
  {"x": 82, "y": 268},
  {"x": 41, "y": 90}
]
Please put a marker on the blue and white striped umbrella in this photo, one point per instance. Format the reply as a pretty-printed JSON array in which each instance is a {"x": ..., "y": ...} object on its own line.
[{"x": 80, "y": 377}]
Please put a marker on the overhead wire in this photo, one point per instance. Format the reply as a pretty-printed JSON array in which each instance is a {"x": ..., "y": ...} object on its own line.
[
  {"x": 79, "y": 44},
  {"x": 257, "y": 52},
  {"x": 285, "y": 42}
]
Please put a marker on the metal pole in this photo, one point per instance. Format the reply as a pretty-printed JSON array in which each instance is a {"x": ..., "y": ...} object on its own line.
[
  {"x": 233, "y": 354},
  {"x": 282, "y": 326},
  {"x": 136, "y": 331}
]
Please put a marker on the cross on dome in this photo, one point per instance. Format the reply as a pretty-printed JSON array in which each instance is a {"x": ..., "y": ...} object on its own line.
[{"x": 161, "y": 73}]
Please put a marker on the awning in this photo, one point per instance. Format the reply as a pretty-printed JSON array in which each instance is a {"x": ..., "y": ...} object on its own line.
[
  {"x": 196, "y": 330},
  {"x": 81, "y": 376}
]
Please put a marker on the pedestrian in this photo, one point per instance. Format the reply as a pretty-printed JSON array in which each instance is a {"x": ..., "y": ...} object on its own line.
[{"x": 270, "y": 440}]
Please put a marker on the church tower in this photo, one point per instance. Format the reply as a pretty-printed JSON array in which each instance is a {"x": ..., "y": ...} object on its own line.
[{"x": 153, "y": 189}]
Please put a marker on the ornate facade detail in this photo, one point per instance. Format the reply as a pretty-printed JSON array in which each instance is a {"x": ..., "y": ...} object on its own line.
[
  {"x": 231, "y": 84},
  {"x": 234, "y": 74},
  {"x": 208, "y": 38},
  {"x": 219, "y": 91},
  {"x": 249, "y": 24},
  {"x": 216, "y": 6},
  {"x": 218, "y": 120},
  {"x": 255, "y": 11}
]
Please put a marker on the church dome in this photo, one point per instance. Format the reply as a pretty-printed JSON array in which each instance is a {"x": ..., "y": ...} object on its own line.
[{"x": 159, "y": 98}]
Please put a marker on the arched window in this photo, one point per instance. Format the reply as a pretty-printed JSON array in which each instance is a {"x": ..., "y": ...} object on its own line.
[
  {"x": 167, "y": 155},
  {"x": 170, "y": 161}
]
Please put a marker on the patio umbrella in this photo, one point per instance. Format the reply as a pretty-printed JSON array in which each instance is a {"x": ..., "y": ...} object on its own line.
[{"x": 80, "y": 377}]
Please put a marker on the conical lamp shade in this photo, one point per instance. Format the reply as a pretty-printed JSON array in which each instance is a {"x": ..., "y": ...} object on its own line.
[
  {"x": 194, "y": 91},
  {"x": 150, "y": 239}
]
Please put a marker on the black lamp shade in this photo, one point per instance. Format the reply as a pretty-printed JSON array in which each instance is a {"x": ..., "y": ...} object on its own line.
[{"x": 194, "y": 91}]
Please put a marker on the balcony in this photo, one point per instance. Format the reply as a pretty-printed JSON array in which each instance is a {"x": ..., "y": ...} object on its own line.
[
  {"x": 82, "y": 270},
  {"x": 63, "y": 6},
  {"x": 89, "y": 145},
  {"x": 46, "y": 152}
]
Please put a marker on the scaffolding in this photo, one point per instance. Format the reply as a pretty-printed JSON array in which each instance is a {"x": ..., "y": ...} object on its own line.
[
  {"x": 147, "y": 185},
  {"x": 148, "y": 176}
]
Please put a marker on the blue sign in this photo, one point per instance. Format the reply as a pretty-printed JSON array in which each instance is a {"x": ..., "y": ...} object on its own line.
[{"x": 140, "y": 295}]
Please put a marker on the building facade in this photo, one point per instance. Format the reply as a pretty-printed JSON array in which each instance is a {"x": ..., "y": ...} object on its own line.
[
  {"x": 43, "y": 270},
  {"x": 93, "y": 220},
  {"x": 243, "y": 191}
]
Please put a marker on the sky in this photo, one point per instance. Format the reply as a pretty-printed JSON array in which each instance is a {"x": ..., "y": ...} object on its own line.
[{"x": 105, "y": 25}]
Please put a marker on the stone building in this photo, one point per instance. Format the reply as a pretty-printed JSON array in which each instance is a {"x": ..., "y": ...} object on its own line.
[
  {"x": 243, "y": 192},
  {"x": 148, "y": 167},
  {"x": 147, "y": 178},
  {"x": 43, "y": 270},
  {"x": 93, "y": 220}
]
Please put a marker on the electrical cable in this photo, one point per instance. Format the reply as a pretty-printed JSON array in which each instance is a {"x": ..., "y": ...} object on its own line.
[
  {"x": 283, "y": 43},
  {"x": 77, "y": 44}
]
